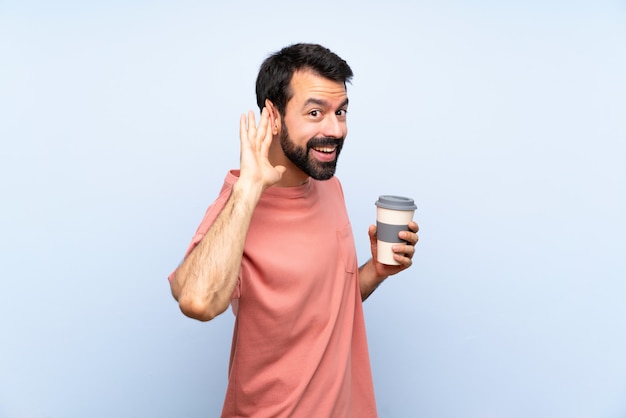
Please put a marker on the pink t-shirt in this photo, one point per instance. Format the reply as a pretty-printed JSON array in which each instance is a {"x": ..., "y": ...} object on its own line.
[{"x": 299, "y": 345}]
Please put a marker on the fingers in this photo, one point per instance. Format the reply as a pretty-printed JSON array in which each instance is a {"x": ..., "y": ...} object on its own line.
[
  {"x": 243, "y": 130},
  {"x": 372, "y": 232},
  {"x": 262, "y": 129},
  {"x": 404, "y": 249},
  {"x": 411, "y": 238},
  {"x": 249, "y": 131},
  {"x": 403, "y": 253},
  {"x": 265, "y": 131},
  {"x": 256, "y": 142}
]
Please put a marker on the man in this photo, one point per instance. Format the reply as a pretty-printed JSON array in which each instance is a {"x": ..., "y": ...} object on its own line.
[{"x": 277, "y": 245}]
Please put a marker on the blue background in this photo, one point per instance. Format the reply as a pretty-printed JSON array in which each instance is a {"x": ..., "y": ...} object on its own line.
[{"x": 505, "y": 121}]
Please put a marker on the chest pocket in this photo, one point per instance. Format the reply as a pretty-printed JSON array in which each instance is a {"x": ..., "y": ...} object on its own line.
[{"x": 347, "y": 248}]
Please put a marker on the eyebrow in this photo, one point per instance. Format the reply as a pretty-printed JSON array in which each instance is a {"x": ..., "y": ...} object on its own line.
[{"x": 322, "y": 103}]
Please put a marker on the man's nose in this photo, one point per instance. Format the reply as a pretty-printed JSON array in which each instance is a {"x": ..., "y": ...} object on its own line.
[{"x": 333, "y": 127}]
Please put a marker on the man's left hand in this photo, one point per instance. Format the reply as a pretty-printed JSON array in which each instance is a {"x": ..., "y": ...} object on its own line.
[{"x": 403, "y": 253}]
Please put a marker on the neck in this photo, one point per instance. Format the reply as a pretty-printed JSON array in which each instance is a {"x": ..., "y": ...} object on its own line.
[{"x": 293, "y": 179}]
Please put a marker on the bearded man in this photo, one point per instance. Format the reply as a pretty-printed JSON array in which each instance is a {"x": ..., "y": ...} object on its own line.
[{"x": 277, "y": 246}]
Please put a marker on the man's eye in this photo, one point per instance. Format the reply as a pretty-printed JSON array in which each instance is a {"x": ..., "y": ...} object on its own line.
[
  {"x": 341, "y": 112},
  {"x": 314, "y": 113}
]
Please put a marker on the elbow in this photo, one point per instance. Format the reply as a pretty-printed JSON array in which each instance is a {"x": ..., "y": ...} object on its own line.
[{"x": 199, "y": 309}]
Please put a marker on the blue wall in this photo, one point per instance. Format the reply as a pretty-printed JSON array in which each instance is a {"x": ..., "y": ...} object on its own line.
[{"x": 505, "y": 122}]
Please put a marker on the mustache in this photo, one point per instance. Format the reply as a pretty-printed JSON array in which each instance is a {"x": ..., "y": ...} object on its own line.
[{"x": 321, "y": 141}]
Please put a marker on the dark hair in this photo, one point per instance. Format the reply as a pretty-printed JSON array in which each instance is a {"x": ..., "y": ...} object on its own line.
[{"x": 277, "y": 70}]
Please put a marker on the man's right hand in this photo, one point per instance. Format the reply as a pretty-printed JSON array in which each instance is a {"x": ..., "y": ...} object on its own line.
[
  {"x": 205, "y": 281},
  {"x": 256, "y": 169}
]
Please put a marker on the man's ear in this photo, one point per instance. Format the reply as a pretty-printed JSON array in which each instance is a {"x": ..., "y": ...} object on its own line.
[{"x": 274, "y": 116}]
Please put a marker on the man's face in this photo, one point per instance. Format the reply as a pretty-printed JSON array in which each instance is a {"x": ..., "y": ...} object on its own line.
[{"x": 314, "y": 126}]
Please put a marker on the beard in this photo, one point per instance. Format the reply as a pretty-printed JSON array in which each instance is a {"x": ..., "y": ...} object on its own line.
[{"x": 300, "y": 157}]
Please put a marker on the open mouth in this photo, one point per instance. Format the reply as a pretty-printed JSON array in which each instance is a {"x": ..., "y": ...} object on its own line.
[
  {"x": 326, "y": 149},
  {"x": 325, "y": 153}
]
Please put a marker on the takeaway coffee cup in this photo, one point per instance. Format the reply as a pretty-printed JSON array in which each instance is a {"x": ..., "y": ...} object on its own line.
[{"x": 393, "y": 214}]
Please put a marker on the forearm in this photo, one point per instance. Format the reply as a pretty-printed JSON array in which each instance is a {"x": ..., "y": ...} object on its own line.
[
  {"x": 369, "y": 279},
  {"x": 205, "y": 281}
]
